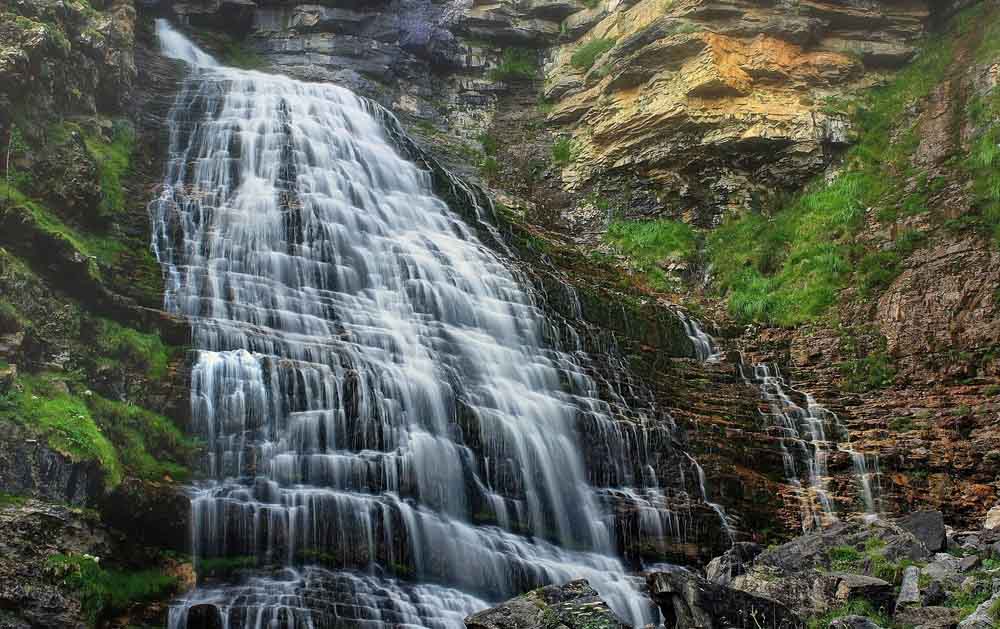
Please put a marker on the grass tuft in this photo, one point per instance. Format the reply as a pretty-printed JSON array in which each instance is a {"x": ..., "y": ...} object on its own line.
[{"x": 586, "y": 56}]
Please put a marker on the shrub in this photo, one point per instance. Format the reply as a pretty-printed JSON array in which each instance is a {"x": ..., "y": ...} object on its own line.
[
  {"x": 563, "y": 151},
  {"x": 107, "y": 591},
  {"x": 515, "y": 64},
  {"x": 587, "y": 54}
]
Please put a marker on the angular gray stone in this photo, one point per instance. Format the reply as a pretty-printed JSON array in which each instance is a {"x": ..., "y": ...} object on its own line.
[
  {"x": 732, "y": 563},
  {"x": 688, "y": 601},
  {"x": 858, "y": 586},
  {"x": 968, "y": 563},
  {"x": 574, "y": 605},
  {"x": 928, "y": 527},
  {"x": 909, "y": 591}
]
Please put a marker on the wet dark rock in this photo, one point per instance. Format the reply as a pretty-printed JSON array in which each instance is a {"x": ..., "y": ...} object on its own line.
[
  {"x": 28, "y": 467},
  {"x": 148, "y": 513},
  {"x": 928, "y": 527},
  {"x": 574, "y": 605},
  {"x": 204, "y": 617},
  {"x": 32, "y": 532},
  {"x": 688, "y": 601},
  {"x": 933, "y": 594}
]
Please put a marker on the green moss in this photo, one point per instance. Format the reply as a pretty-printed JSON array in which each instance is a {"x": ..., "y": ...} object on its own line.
[
  {"x": 983, "y": 161},
  {"x": 876, "y": 270},
  {"x": 113, "y": 162},
  {"x": 149, "y": 445},
  {"x": 237, "y": 54},
  {"x": 131, "y": 347},
  {"x": 788, "y": 268},
  {"x": 104, "y": 591},
  {"x": 587, "y": 54},
  {"x": 97, "y": 248},
  {"x": 43, "y": 405},
  {"x": 515, "y": 64}
]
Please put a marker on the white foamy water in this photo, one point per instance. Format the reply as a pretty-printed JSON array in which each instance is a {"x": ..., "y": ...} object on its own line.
[{"x": 372, "y": 382}]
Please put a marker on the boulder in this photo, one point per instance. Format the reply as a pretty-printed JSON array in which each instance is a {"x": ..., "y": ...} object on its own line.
[
  {"x": 732, "y": 563},
  {"x": 909, "y": 591},
  {"x": 928, "y": 527},
  {"x": 928, "y": 617},
  {"x": 992, "y": 521},
  {"x": 854, "y": 622},
  {"x": 983, "y": 617},
  {"x": 858, "y": 586},
  {"x": 574, "y": 605},
  {"x": 944, "y": 568},
  {"x": 688, "y": 601},
  {"x": 968, "y": 563}
]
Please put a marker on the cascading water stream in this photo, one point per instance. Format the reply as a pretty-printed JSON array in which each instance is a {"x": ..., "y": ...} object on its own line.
[
  {"x": 372, "y": 383},
  {"x": 803, "y": 437}
]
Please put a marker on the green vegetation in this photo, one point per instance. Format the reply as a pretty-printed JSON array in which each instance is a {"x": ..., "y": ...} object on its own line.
[
  {"x": 42, "y": 404},
  {"x": 10, "y": 320},
  {"x": 148, "y": 444},
  {"x": 237, "y": 54},
  {"x": 789, "y": 267},
  {"x": 136, "y": 349},
  {"x": 586, "y": 56},
  {"x": 650, "y": 244},
  {"x": 874, "y": 371},
  {"x": 983, "y": 162},
  {"x": 877, "y": 269},
  {"x": 563, "y": 151},
  {"x": 515, "y": 64},
  {"x": 107, "y": 591},
  {"x": 855, "y": 607},
  {"x": 113, "y": 161},
  {"x": 10, "y": 500},
  {"x": 870, "y": 559},
  {"x": 967, "y": 600},
  {"x": 223, "y": 566}
]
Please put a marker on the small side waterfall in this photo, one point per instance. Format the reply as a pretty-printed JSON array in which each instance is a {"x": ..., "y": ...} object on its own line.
[
  {"x": 807, "y": 434},
  {"x": 393, "y": 438}
]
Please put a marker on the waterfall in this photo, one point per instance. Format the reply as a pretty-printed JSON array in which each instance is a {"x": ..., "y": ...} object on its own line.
[
  {"x": 802, "y": 433},
  {"x": 390, "y": 439}
]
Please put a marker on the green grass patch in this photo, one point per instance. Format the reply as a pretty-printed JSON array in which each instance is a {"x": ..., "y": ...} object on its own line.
[
  {"x": 983, "y": 161},
  {"x": 131, "y": 347},
  {"x": 855, "y": 607},
  {"x": 11, "y": 500},
  {"x": 586, "y": 55},
  {"x": 789, "y": 268},
  {"x": 650, "y": 244},
  {"x": 42, "y": 404},
  {"x": 149, "y": 445},
  {"x": 515, "y": 64},
  {"x": 104, "y": 591},
  {"x": 220, "y": 567}
]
